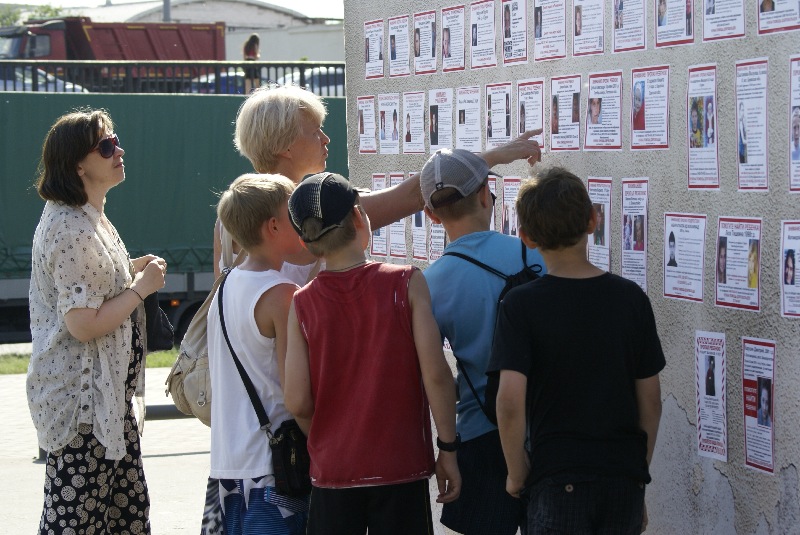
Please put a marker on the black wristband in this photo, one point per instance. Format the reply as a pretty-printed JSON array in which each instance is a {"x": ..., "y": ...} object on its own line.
[{"x": 449, "y": 446}]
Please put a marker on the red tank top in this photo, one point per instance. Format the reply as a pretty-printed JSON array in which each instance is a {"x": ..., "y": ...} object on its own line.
[{"x": 371, "y": 423}]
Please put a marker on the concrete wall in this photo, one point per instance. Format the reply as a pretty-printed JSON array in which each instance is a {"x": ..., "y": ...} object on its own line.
[{"x": 689, "y": 493}]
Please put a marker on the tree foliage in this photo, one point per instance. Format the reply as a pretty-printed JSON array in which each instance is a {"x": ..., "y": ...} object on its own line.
[
  {"x": 47, "y": 12},
  {"x": 9, "y": 15}
]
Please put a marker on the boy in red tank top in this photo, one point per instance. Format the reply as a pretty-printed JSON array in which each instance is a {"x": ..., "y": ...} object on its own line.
[{"x": 364, "y": 361}]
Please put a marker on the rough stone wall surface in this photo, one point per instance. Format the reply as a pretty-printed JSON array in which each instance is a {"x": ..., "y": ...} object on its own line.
[{"x": 689, "y": 493}]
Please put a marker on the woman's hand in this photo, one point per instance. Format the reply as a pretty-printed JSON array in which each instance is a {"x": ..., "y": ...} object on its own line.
[
  {"x": 140, "y": 263},
  {"x": 151, "y": 277}
]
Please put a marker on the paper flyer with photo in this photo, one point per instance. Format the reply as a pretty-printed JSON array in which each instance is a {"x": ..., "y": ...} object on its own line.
[
  {"x": 684, "y": 249},
  {"x": 674, "y": 22},
  {"x": 380, "y": 237},
  {"x": 550, "y": 33},
  {"x": 424, "y": 42},
  {"x": 482, "y": 35},
  {"x": 530, "y": 111},
  {"x": 723, "y": 19},
  {"x": 603, "y": 129},
  {"x": 397, "y": 230},
  {"x": 565, "y": 112},
  {"x": 440, "y": 118},
  {"x": 493, "y": 189},
  {"x": 453, "y": 55},
  {"x": 738, "y": 263},
  {"x": 635, "y": 230},
  {"x": 366, "y": 125},
  {"x": 599, "y": 243},
  {"x": 414, "y": 122},
  {"x": 373, "y": 49},
  {"x": 751, "y": 128},
  {"x": 777, "y": 15},
  {"x": 399, "y": 46},
  {"x": 498, "y": 114},
  {"x": 389, "y": 128},
  {"x": 701, "y": 127},
  {"x": 758, "y": 386},
  {"x": 468, "y": 118},
  {"x": 509, "y": 219},
  {"x": 419, "y": 232},
  {"x": 588, "y": 27},
  {"x": 711, "y": 376},
  {"x": 790, "y": 285},
  {"x": 629, "y": 26},
  {"x": 515, "y": 32},
  {"x": 794, "y": 124},
  {"x": 650, "y": 108},
  {"x": 436, "y": 242}
]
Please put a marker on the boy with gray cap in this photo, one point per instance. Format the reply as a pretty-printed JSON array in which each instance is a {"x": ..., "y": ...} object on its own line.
[
  {"x": 364, "y": 360},
  {"x": 464, "y": 296}
]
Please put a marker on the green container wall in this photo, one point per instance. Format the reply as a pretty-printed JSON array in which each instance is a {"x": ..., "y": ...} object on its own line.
[{"x": 178, "y": 154}]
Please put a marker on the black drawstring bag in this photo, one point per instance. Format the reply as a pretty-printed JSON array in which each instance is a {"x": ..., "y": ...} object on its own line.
[{"x": 160, "y": 334}]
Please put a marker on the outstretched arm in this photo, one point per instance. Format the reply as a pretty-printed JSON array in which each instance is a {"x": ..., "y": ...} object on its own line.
[{"x": 438, "y": 381}]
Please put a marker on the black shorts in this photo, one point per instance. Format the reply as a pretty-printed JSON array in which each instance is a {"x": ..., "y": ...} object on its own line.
[
  {"x": 484, "y": 506},
  {"x": 402, "y": 509}
]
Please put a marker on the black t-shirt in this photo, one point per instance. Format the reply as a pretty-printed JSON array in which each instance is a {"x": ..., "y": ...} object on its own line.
[{"x": 581, "y": 343}]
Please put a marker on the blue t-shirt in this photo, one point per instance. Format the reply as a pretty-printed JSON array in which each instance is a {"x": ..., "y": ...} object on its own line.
[{"x": 464, "y": 301}]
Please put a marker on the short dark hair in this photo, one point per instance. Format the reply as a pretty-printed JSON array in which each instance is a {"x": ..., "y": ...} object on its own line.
[
  {"x": 554, "y": 209},
  {"x": 71, "y": 138},
  {"x": 671, "y": 238}
]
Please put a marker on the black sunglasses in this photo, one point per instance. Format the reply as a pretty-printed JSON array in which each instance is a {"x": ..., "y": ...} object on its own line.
[{"x": 107, "y": 146}]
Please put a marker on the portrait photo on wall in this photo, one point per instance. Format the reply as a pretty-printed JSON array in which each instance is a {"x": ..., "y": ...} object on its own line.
[
  {"x": 638, "y": 105},
  {"x": 788, "y": 267}
]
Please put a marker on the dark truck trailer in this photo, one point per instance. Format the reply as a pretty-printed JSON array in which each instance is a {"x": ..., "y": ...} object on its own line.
[{"x": 80, "y": 39}]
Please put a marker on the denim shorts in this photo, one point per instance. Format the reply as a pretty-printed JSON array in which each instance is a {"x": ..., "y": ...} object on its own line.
[{"x": 581, "y": 504}]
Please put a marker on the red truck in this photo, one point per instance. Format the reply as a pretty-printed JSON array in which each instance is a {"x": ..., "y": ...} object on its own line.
[{"x": 80, "y": 39}]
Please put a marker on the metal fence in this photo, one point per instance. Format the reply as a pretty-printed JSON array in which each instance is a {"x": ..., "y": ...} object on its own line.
[{"x": 208, "y": 77}]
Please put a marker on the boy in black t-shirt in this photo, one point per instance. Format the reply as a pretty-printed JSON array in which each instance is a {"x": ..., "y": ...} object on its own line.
[{"x": 590, "y": 380}]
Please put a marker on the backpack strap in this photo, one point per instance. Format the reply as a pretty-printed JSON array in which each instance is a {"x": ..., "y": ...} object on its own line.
[
  {"x": 472, "y": 387},
  {"x": 478, "y": 263}
]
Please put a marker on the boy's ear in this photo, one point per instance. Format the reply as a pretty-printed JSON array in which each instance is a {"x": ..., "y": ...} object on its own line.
[
  {"x": 433, "y": 217},
  {"x": 529, "y": 243}
]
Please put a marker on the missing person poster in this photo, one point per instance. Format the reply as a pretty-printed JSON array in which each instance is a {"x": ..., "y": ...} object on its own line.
[
  {"x": 751, "y": 128},
  {"x": 366, "y": 125},
  {"x": 650, "y": 108},
  {"x": 701, "y": 127},
  {"x": 674, "y": 22},
  {"x": 498, "y": 114},
  {"x": 777, "y": 15},
  {"x": 414, "y": 122},
  {"x": 588, "y": 27},
  {"x": 711, "y": 379},
  {"x": 738, "y": 263},
  {"x": 758, "y": 386},
  {"x": 380, "y": 237},
  {"x": 530, "y": 101},
  {"x": 790, "y": 286},
  {"x": 603, "y": 129},
  {"x": 634, "y": 230},
  {"x": 723, "y": 19},
  {"x": 509, "y": 220},
  {"x": 493, "y": 189},
  {"x": 425, "y": 42},
  {"x": 397, "y": 230},
  {"x": 684, "y": 250},
  {"x": 794, "y": 124},
  {"x": 599, "y": 244},
  {"x": 373, "y": 49},
  {"x": 565, "y": 112},
  {"x": 629, "y": 26},
  {"x": 440, "y": 118},
  {"x": 436, "y": 242},
  {"x": 453, "y": 56},
  {"x": 482, "y": 35},
  {"x": 468, "y": 118},
  {"x": 389, "y": 123},
  {"x": 419, "y": 232},
  {"x": 399, "y": 63},
  {"x": 549, "y": 29},
  {"x": 515, "y": 32}
]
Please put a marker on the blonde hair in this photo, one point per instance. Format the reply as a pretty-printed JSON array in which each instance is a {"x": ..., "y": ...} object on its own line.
[
  {"x": 248, "y": 202},
  {"x": 269, "y": 121}
]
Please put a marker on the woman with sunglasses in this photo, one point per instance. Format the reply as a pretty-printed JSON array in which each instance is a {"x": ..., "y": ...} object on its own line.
[{"x": 87, "y": 323}]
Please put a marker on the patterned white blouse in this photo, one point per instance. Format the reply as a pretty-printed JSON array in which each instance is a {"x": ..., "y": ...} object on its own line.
[{"x": 78, "y": 261}]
